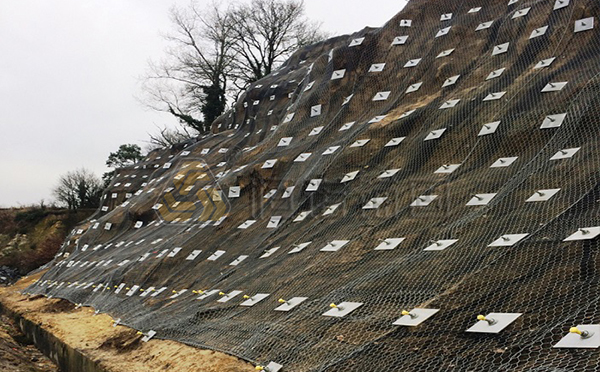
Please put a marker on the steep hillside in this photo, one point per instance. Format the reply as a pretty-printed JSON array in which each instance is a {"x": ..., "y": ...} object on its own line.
[{"x": 438, "y": 162}]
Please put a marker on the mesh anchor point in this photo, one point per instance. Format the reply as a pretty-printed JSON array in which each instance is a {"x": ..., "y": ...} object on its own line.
[
  {"x": 584, "y": 231},
  {"x": 385, "y": 241},
  {"x": 490, "y": 321},
  {"x": 583, "y": 334},
  {"x": 412, "y": 316},
  {"x": 334, "y": 306}
]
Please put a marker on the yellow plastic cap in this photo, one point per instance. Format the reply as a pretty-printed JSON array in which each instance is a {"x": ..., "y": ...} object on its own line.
[
  {"x": 575, "y": 330},
  {"x": 281, "y": 301},
  {"x": 480, "y": 317},
  {"x": 404, "y": 312},
  {"x": 259, "y": 368},
  {"x": 332, "y": 305},
  {"x": 221, "y": 293},
  {"x": 246, "y": 296}
]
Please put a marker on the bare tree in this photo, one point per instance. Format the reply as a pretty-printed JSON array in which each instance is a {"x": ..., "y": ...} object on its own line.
[
  {"x": 192, "y": 81},
  {"x": 216, "y": 52},
  {"x": 267, "y": 32},
  {"x": 79, "y": 189},
  {"x": 167, "y": 137}
]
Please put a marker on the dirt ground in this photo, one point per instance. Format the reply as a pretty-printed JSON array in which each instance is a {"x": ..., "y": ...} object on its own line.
[
  {"x": 118, "y": 348},
  {"x": 17, "y": 355}
]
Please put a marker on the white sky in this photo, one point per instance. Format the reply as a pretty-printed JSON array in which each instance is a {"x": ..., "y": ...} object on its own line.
[{"x": 69, "y": 74}]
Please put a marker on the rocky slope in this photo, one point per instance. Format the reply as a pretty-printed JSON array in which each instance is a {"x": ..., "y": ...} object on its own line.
[{"x": 467, "y": 131}]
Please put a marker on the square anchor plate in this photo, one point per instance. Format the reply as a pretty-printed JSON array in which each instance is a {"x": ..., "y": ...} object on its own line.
[
  {"x": 435, "y": 134},
  {"x": 575, "y": 341},
  {"x": 346, "y": 126},
  {"x": 229, "y": 296},
  {"x": 247, "y": 224},
  {"x": 565, "y": 154},
  {"x": 269, "y": 252},
  {"x": 314, "y": 185},
  {"x": 508, "y": 240},
  {"x": 446, "y": 17},
  {"x": 377, "y": 119},
  {"x": 394, "y": 141},
  {"x": 443, "y": 31},
  {"x": 238, "y": 260},
  {"x": 349, "y": 176},
  {"x": 291, "y": 303},
  {"x": 149, "y": 336},
  {"x": 338, "y": 74},
  {"x": 216, "y": 255},
  {"x": 559, "y": 4},
  {"x": 234, "y": 192},
  {"x": 389, "y": 173},
  {"x": 288, "y": 192},
  {"x": 418, "y": 317},
  {"x": 489, "y": 128},
  {"x": 207, "y": 294},
  {"x": 331, "y": 209},
  {"x": 302, "y": 157},
  {"x": 554, "y": 87},
  {"x": 269, "y": 164},
  {"x": 302, "y": 216},
  {"x": 494, "y": 96},
  {"x": 381, "y": 96},
  {"x": 504, "y": 162},
  {"x": 285, "y": 141},
  {"x": 377, "y": 67},
  {"x": 356, "y": 42},
  {"x": 584, "y": 233},
  {"x": 299, "y": 247},
  {"x": 405, "y": 23},
  {"x": 447, "y": 168},
  {"x": 474, "y": 10},
  {"x": 521, "y": 13},
  {"x": 584, "y": 24},
  {"x": 255, "y": 299},
  {"x": 445, "y": 53},
  {"x": 274, "y": 222},
  {"x": 538, "y": 32},
  {"x": 542, "y": 195},
  {"x": 343, "y": 309},
  {"x": 400, "y": 40},
  {"x": 360, "y": 143},
  {"x": 315, "y": 131},
  {"x": 503, "y": 320},
  {"x": 553, "y": 121},
  {"x": 496, "y": 73},
  {"x": 450, "y": 81},
  {"x": 412, "y": 62},
  {"x": 484, "y": 25},
  {"x": 315, "y": 111},
  {"x": 500, "y": 48},
  {"x": 334, "y": 246},
  {"x": 414, "y": 87},
  {"x": 544, "y": 63},
  {"x": 440, "y": 245},
  {"x": 273, "y": 367},
  {"x": 330, "y": 150},
  {"x": 407, "y": 113},
  {"x": 374, "y": 203},
  {"x": 481, "y": 199},
  {"x": 449, "y": 104},
  {"x": 423, "y": 200},
  {"x": 389, "y": 244}
]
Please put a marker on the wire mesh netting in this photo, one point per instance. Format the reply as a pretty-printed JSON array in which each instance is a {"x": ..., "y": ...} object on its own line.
[{"x": 385, "y": 134}]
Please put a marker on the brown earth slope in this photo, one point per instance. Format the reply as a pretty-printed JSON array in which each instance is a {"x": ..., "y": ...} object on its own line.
[{"x": 117, "y": 349}]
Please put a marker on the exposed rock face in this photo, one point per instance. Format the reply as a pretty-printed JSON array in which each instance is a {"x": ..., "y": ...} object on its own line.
[{"x": 440, "y": 128}]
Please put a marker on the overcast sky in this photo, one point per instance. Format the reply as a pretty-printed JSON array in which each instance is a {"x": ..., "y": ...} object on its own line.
[{"x": 69, "y": 75}]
